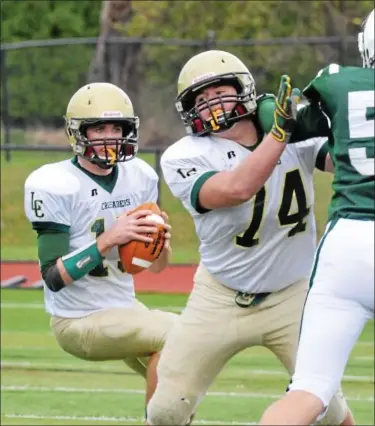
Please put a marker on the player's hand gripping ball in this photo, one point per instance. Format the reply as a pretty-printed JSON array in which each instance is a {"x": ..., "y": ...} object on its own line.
[{"x": 137, "y": 256}]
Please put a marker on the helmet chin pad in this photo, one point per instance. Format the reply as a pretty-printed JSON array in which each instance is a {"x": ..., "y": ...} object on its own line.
[
  {"x": 118, "y": 151},
  {"x": 244, "y": 100},
  {"x": 219, "y": 121},
  {"x": 112, "y": 150}
]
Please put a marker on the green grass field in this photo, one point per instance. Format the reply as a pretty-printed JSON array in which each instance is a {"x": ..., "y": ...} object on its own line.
[
  {"x": 18, "y": 241},
  {"x": 43, "y": 385}
]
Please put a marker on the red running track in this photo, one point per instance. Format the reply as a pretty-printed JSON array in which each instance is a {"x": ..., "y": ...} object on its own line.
[{"x": 174, "y": 279}]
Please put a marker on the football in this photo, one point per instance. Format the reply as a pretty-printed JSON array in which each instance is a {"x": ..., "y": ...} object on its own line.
[{"x": 137, "y": 256}]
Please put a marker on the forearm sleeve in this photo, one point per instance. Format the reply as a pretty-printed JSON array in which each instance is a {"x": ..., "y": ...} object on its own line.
[
  {"x": 52, "y": 278},
  {"x": 51, "y": 246},
  {"x": 55, "y": 245},
  {"x": 82, "y": 261},
  {"x": 311, "y": 123}
]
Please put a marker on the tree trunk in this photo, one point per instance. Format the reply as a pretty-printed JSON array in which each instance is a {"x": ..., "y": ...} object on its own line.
[
  {"x": 336, "y": 26},
  {"x": 116, "y": 62}
]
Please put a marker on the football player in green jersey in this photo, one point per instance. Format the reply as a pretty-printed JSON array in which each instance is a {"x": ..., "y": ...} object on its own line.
[{"x": 341, "y": 296}]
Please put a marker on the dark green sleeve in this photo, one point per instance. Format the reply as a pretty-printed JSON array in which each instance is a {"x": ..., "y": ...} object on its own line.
[
  {"x": 311, "y": 123},
  {"x": 265, "y": 108},
  {"x": 320, "y": 85},
  {"x": 194, "y": 195},
  {"x": 51, "y": 245},
  {"x": 49, "y": 227},
  {"x": 311, "y": 120},
  {"x": 320, "y": 161}
]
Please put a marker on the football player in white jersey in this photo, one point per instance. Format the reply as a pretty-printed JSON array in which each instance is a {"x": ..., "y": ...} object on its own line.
[
  {"x": 79, "y": 210},
  {"x": 252, "y": 201}
]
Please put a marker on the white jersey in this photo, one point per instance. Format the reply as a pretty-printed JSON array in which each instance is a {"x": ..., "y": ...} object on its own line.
[
  {"x": 264, "y": 244},
  {"x": 63, "y": 195}
]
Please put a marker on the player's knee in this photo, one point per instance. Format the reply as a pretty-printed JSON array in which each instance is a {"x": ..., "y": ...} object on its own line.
[
  {"x": 336, "y": 412},
  {"x": 337, "y": 408},
  {"x": 169, "y": 410}
]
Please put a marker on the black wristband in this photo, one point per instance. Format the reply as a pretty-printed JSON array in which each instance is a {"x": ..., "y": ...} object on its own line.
[{"x": 52, "y": 278}]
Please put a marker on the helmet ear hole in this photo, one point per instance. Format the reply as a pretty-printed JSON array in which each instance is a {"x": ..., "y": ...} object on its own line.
[{"x": 83, "y": 129}]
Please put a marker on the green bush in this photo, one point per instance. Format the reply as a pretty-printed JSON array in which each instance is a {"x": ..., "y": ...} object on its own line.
[{"x": 41, "y": 80}]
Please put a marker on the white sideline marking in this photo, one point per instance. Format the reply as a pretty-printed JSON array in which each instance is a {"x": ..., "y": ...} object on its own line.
[
  {"x": 346, "y": 377},
  {"x": 364, "y": 358},
  {"x": 78, "y": 368},
  {"x": 87, "y": 418},
  {"x": 11, "y": 305},
  {"x": 254, "y": 395},
  {"x": 75, "y": 368},
  {"x": 118, "y": 419},
  {"x": 366, "y": 343},
  {"x": 249, "y": 355}
]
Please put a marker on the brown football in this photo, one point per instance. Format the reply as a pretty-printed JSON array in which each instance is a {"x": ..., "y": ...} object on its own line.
[{"x": 137, "y": 256}]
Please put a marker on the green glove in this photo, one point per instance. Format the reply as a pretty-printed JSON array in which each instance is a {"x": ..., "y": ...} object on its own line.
[{"x": 285, "y": 113}]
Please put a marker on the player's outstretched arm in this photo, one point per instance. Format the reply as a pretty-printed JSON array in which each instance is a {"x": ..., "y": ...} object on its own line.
[{"x": 229, "y": 188}]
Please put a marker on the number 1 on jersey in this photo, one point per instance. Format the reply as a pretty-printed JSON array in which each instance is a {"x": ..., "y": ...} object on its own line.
[
  {"x": 293, "y": 190},
  {"x": 101, "y": 271},
  {"x": 250, "y": 237},
  {"x": 98, "y": 228}
]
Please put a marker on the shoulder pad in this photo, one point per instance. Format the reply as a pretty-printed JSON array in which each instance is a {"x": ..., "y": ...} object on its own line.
[
  {"x": 319, "y": 84},
  {"x": 265, "y": 96},
  {"x": 328, "y": 70},
  {"x": 143, "y": 167},
  {"x": 54, "y": 179},
  {"x": 186, "y": 147}
]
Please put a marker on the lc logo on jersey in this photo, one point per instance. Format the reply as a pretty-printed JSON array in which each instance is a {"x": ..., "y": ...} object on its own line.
[
  {"x": 184, "y": 173},
  {"x": 36, "y": 206}
]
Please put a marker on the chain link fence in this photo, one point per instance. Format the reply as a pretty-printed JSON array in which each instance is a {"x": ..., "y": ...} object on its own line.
[{"x": 38, "y": 79}]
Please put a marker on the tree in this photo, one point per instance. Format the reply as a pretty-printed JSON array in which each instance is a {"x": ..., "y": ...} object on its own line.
[
  {"x": 241, "y": 20},
  {"x": 115, "y": 62},
  {"x": 41, "y": 80}
]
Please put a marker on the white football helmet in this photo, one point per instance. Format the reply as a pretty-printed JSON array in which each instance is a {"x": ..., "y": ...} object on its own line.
[
  {"x": 209, "y": 68},
  {"x": 102, "y": 103},
  {"x": 366, "y": 42}
]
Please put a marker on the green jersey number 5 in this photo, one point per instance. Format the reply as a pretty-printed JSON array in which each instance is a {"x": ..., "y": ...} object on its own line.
[{"x": 361, "y": 126}]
